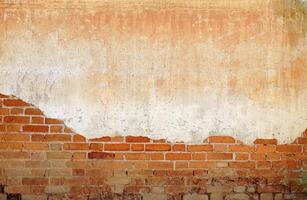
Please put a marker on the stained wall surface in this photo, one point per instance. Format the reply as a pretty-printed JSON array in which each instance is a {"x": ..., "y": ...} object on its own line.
[{"x": 181, "y": 70}]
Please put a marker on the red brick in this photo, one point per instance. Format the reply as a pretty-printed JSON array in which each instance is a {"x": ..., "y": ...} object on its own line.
[
  {"x": 199, "y": 156},
  {"x": 79, "y": 155},
  {"x": 38, "y": 138},
  {"x": 53, "y": 121},
  {"x": 159, "y": 140},
  {"x": 17, "y": 111},
  {"x": 15, "y": 137},
  {"x": 271, "y": 189},
  {"x": 265, "y": 148},
  {"x": 37, "y": 120},
  {"x": 136, "y": 139},
  {"x": 76, "y": 146},
  {"x": 219, "y": 156},
  {"x": 242, "y": 164},
  {"x": 17, "y": 119},
  {"x": 178, "y": 156},
  {"x": 289, "y": 148},
  {"x": 242, "y": 156},
  {"x": 202, "y": 164},
  {"x": 36, "y": 146},
  {"x": 4, "y": 111},
  {"x": 157, "y": 147},
  {"x": 15, "y": 155},
  {"x": 181, "y": 165},
  {"x": 156, "y": 156},
  {"x": 14, "y": 102},
  {"x": 257, "y": 156},
  {"x": 11, "y": 145},
  {"x": 79, "y": 138},
  {"x": 221, "y": 139},
  {"x": 56, "y": 129},
  {"x": 35, "y": 181},
  {"x": 240, "y": 148},
  {"x": 160, "y": 165},
  {"x": 302, "y": 140},
  {"x": 101, "y": 139},
  {"x": 286, "y": 164},
  {"x": 179, "y": 147},
  {"x": 78, "y": 172},
  {"x": 33, "y": 111},
  {"x": 137, "y": 156},
  {"x": 13, "y": 128},
  {"x": 2, "y": 128},
  {"x": 101, "y": 155},
  {"x": 180, "y": 173},
  {"x": 35, "y": 128},
  {"x": 266, "y": 141},
  {"x": 58, "y": 137},
  {"x": 96, "y": 146},
  {"x": 273, "y": 156},
  {"x": 200, "y": 172},
  {"x": 116, "y": 147},
  {"x": 220, "y": 148},
  {"x": 264, "y": 164},
  {"x": 117, "y": 139},
  {"x": 200, "y": 147},
  {"x": 136, "y": 189},
  {"x": 137, "y": 147}
]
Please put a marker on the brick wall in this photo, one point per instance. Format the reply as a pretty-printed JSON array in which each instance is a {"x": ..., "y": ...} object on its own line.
[{"x": 41, "y": 158}]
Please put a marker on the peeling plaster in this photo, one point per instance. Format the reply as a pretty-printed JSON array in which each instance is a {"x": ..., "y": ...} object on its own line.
[{"x": 166, "y": 71}]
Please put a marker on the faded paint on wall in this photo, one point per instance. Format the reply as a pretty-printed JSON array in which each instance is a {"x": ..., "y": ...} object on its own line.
[{"x": 181, "y": 70}]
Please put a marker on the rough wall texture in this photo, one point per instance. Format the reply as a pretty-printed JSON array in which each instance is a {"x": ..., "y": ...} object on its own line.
[
  {"x": 181, "y": 70},
  {"x": 40, "y": 158}
]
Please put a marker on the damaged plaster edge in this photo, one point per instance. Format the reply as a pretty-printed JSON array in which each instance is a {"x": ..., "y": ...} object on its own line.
[{"x": 160, "y": 137}]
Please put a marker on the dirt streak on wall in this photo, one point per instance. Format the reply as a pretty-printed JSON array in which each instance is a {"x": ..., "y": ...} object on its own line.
[{"x": 181, "y": 70}]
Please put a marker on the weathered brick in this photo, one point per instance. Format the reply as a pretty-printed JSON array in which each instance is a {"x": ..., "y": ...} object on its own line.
[
  {"x": 240, "y": 148},
  {"x": 53, "y": 121},
  {"x": 178, "y": 156},
  {"x": 35, "y": 181},
  {"x": 79, "y": 138},
  {"x": 221, "y": 139},
  {"x": 179, "y": 147},
  {"x": 289, "y": 148},
  {"x": 33, "y": 111},
  {"x": 101, "y": 139},
  {"x": 96, "y": 146},
  {"x": 36, "y": 146},
  {"x": 58, "y": 137},
  {"x": 157, "y": 147},
  {"x": 137, "y": 147},
  {"x": 101, "y": 155},
  {"x": 116, "y": 147},
  {"x": 201, "y": 147},
  {"x": 76, "y": 146},
  {"x": 160, "y": 165},
  {"x": 219, "y": 156},
  {"x": 243, "y": 164},
  {"x": 15, "y": 103},
  {"x": 17, "y": 119},
  {"x": 266, "y": 141},
  {"x": 35, "y": 128},
  {"x": 136, "y": 139},
  {"x": 54, "y": 189}
]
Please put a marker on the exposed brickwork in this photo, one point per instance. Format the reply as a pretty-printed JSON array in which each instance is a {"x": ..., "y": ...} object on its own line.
[{"x": 40, "y": 158}]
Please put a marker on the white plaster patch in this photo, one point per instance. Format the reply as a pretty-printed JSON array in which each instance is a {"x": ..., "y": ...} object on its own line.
[{"x": 54, "y": 78}]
